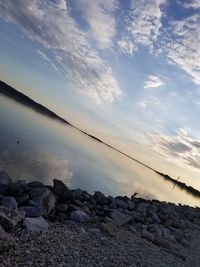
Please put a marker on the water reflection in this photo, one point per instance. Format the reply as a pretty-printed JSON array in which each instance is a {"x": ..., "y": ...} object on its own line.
[{"x": 49, "y": 149}]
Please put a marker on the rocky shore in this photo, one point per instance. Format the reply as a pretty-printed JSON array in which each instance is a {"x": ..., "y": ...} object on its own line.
[{"x": 44, "y": 225}]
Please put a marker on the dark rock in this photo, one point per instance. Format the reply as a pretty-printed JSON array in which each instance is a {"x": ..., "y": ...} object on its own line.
[
  {"x": 80, "y": 216},
  {"x": 131, "y": 204},
  {"x": 43, "y": 198},
  {"x": 17, "y": 189},
  {"x": 10, "y": 218},
  {"x": 72, "y": 207},
  {"x": 36, "y": 224},
  {"x": 147, "y": 235},
  {"x": 9, "y": 202},
  {"x": 62, "y": 191},
  {"x": 5, "y": 181},
  {"x": 77, "y": 193},
  {"x": 32, "y": 211},
  {"x": 121, "y": 203},
  {"x": 6, "y": 240},
  {"x": 110, "y": 229},
  {"x": 62, "y": 207},
  {"x": 100, "y": 198},
  {"x": 142, "y": 208},
  {"x": 35, "y": 184},
  {"x": 95, "y": 232},
  {"x": 112, "y": 204},
  {"x": 120, "y": 218}
]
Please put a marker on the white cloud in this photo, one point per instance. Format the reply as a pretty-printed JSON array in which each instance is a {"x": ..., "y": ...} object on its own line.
[
  {"x": 126, "y": 46},
  {"x": 153, "y": 82},
  {"x": 43, "y": 55},
  {"x": 143, "y": 23},
  {"x": 182, "y": 45},
  {"x": 181, "y": 148},
  {"x": 142, "y": 104},
  {"x": 100, "y": 17},
  {"x": 50, "y": 24},
  {"x": 193, "y": 4}
]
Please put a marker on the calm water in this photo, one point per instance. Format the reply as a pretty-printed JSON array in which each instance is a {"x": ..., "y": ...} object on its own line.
[{"x": 49, "y": 149}]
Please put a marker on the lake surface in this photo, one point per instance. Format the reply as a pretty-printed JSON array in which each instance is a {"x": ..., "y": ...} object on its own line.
[{"x": 49, "y": 149}]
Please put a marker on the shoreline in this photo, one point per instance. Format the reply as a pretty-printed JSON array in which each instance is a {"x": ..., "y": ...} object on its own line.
[{"x": 34, "y": 218}]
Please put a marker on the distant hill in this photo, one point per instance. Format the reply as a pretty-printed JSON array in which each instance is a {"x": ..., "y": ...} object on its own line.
[{"x": 27, "y": 101}]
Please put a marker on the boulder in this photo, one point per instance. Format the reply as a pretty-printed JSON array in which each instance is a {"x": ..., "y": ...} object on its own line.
[
  {"x": 32, "y": 211},
  {"x": 131, "y": 204},
  {"x": 100, "y": 198},
  {"x": 9, "y": 202},
  {"x": 62, "y": 191},
  {"x": 120, "y": 218},
  {"x": 6, "y": 240},
  {"x": 80, "y": 216},
  {"x": 18, "y": 189},
  {"x": 5, "y": 181},
  {"x": 121, "y": 203},
  {"x": 10, "y": 218},
  {"x": 43, "y": 198},
  {"x": 36, "y": 224},
  {"x": 62, "y": 207}
]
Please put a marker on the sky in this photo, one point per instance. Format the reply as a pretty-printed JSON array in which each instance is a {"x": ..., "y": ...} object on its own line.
[{"x": 127, "y": 71}]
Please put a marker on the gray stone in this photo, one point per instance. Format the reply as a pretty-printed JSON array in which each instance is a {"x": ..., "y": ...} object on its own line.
[
  {"x": 121, "y": 203},
  {"x": 43, "y": 198},
  {"x": 17, "y": 189},
  {"x": 10, "y": 218},
  {"x": 80, "y": 216},
  {"x": 120, "y": 218},
  {"x": 100, "y": 198},
  {"x": 62, "y": 207},
  {"x": 32, "y": 211},
  {"x": 142, "y": 208},
  {"x": 131, "y": 204},
  {"x": 9, "y": 202},
  {"x": 36, "y": 224},
  {"x": 62, "y": 191},
  {"x": 6, "y": 240},
  {"x": 5, "y": 181}
]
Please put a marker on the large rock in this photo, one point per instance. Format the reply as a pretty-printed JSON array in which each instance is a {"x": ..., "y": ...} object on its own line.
[
  {"x": 100, "y": 198},
  {"x": 35, "y": 184},
  {"x": 18, "y": 189},
  {"x": 62, "y": 191},
  {"x": 9, "y": 202},
  {"x": 44, "y": 199},
  {"x": 10, "y": 218},
  {"x": 80, "y": 216},
  {"x": 120, "y": 218},
  {"x": 36, "y": 224},
  {"x": 121, "y": 203},
  {"x": 32, "y": 211},
  {"x": 6, "y": 240},
  {"x": 142, "y": 208},
  {"x": 5, "y": 181}
]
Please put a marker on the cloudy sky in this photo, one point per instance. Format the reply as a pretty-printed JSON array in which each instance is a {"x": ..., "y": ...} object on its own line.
[{"x": 126, "y": 71}]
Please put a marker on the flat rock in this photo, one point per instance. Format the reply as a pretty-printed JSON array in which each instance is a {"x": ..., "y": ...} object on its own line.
[
  {"x": 36, "y": 224},
  {"x": 120, "y": 218},
  {"x": 62, "y": 191},
  {"x": 10, "y": 218},
  {"x": 80, "y": 216}
]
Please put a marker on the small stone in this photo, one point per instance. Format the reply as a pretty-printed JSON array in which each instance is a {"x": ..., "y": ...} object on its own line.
[{"x": 80, "y": 216}]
